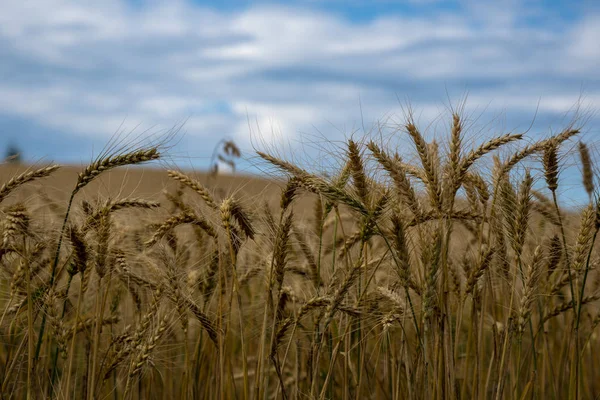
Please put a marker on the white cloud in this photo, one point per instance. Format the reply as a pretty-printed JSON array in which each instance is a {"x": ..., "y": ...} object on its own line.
[
  {"x": 583, "y": 52},
  {"x": 84, "y": 66}
]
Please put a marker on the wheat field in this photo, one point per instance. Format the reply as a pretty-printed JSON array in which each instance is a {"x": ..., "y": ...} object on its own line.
[{"x": 434, "y": 279}]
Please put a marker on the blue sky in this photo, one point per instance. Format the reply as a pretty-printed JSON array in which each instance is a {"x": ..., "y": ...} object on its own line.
[{"x": 295, "y": 77}]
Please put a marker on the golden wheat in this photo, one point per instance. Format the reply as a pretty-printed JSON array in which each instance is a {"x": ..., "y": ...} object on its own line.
[{"x": 424, "y": 281}]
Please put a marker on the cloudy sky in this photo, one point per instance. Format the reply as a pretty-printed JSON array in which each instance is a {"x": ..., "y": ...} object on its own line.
[{"x": 299, "y": 74}]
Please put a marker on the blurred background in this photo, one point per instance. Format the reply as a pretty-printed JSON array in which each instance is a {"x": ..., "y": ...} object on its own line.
[{"x": 295, "y": 78}]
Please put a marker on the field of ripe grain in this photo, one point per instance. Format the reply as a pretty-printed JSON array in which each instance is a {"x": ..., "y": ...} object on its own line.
[{"x": 388, "y": 280}]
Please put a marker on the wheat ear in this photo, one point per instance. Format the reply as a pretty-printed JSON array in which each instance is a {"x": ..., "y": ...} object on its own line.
[{"x": 24, "y": 178}]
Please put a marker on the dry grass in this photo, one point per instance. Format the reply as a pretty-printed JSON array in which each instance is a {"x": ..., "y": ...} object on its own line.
[{"x": 387, "y": 281}]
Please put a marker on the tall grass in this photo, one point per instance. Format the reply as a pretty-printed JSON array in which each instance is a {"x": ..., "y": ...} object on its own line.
[{"x": 421, "y": 281}]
